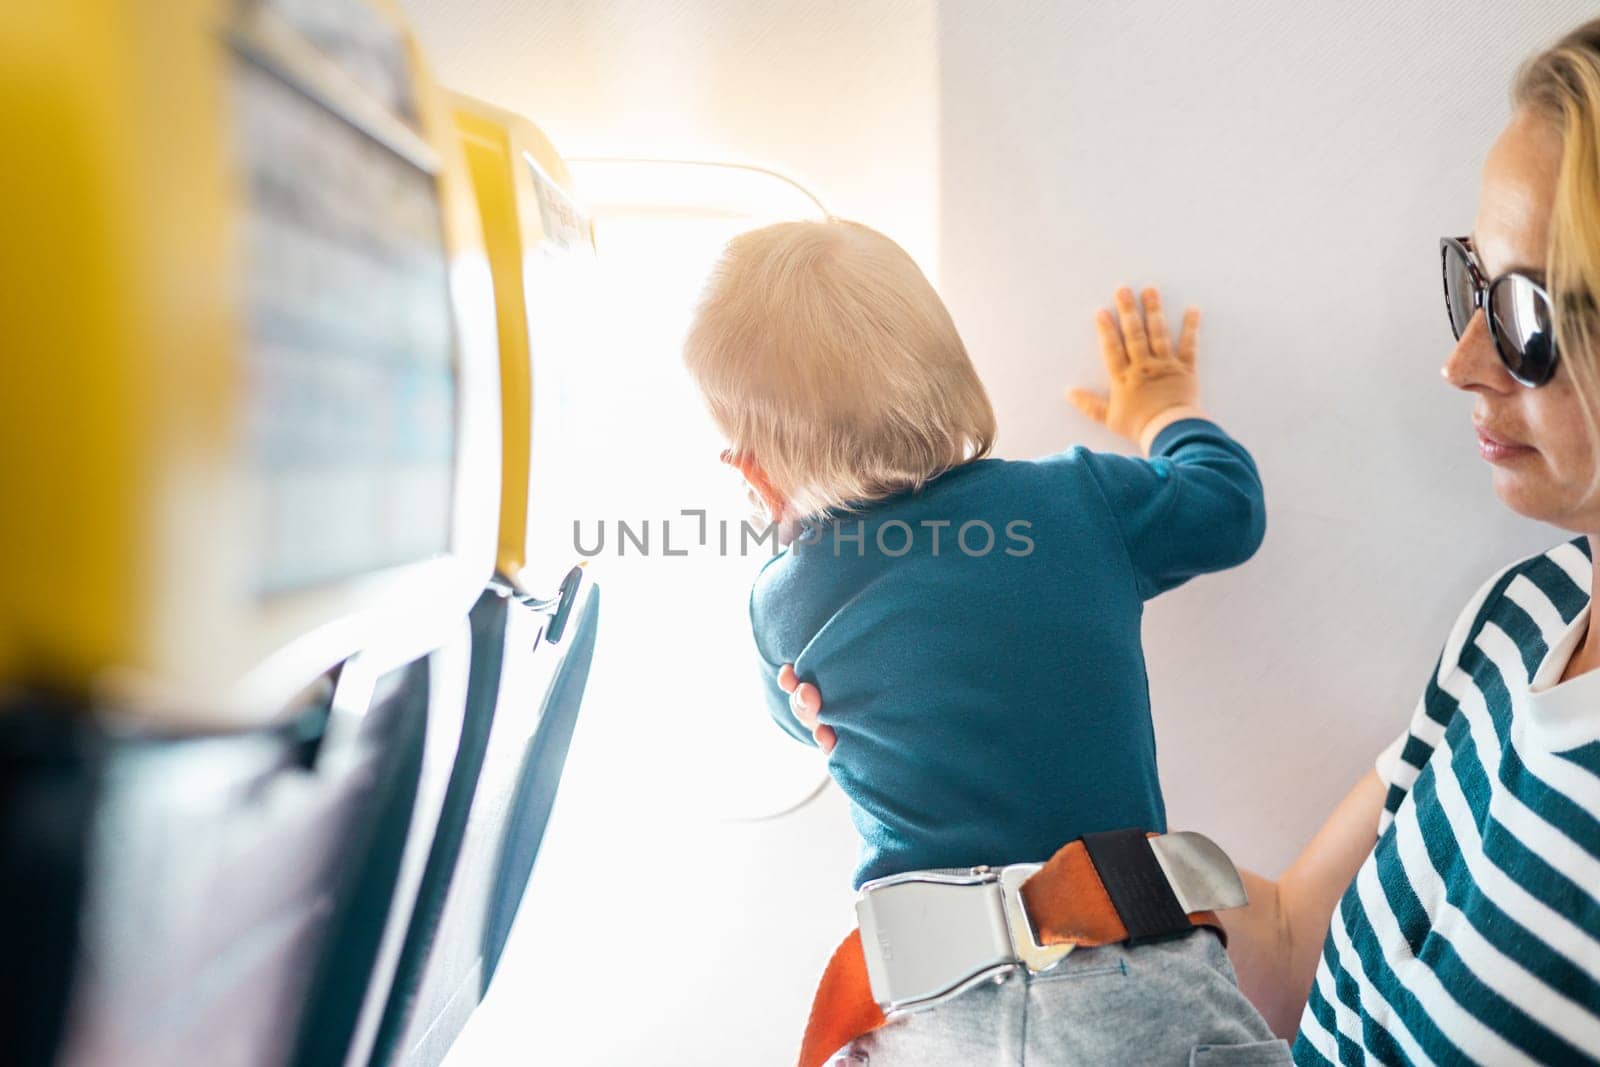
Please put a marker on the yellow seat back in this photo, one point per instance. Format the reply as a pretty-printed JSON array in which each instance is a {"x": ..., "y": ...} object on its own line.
[
  {"x": 250, "y": 420},
  {"x": 540, "y": 243}
]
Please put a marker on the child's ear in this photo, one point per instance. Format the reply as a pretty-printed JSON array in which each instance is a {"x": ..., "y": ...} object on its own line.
[{"x": 757, "y": 477}]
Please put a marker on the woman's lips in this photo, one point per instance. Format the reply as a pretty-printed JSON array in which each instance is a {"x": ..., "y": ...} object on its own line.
[{"x": 1498, "y": 449}]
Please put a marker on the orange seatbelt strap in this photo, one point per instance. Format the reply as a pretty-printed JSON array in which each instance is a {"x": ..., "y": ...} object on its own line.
[
  {"x": 843, "y": 1008},
  {"x": 1066, "y": 902}
]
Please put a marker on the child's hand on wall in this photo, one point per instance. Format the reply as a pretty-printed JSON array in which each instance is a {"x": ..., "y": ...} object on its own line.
[{"x": 1152, "y": 385}]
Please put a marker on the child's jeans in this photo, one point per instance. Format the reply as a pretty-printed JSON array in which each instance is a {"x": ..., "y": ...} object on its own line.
[{"x": 1169, "y": 1002}]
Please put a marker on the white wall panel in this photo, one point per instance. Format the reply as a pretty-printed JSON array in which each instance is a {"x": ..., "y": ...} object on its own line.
[
  {"x": 1289, "y": 168},
  {"x": 842, "y": 96}
]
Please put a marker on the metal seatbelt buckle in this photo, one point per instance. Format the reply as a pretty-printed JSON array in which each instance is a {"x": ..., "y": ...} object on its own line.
[
  {"x": 1202, "y": 876},
  {"x": 930, "y": 937}
]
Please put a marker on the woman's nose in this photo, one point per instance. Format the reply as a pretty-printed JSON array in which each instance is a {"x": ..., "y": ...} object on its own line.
[{"x": 1474, "y": 364}]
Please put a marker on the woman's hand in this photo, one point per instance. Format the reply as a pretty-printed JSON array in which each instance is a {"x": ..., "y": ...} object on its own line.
[
  {"x": 805, "y": 700},
  {"x": 1152, "y": 386}
]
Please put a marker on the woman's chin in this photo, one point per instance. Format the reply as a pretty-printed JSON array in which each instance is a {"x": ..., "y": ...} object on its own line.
[
  {"x": 1526, "y": 495},
  {"x": 1534, "y": 497}
]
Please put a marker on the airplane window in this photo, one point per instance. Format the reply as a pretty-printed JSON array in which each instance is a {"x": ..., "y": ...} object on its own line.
[{"x": 674, "y": 685}]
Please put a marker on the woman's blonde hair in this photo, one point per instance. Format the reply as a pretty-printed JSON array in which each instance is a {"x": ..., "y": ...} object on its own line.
[
  {"x": 1562, "y": 84},
  {"x": 824, "y": 354}
]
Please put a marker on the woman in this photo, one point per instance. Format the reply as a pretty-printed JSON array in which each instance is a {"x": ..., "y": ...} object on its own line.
[{"x": 1447, "y": 910}]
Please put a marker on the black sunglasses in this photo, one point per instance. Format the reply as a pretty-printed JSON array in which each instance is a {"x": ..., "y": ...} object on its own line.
[{"x": 1520, "y": 313}]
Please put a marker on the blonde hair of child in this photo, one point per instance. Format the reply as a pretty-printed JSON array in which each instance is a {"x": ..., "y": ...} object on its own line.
[{"x": 825, "y": 354}]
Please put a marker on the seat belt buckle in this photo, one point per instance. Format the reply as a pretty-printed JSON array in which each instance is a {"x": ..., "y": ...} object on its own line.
[
  {"x": 1201, "y": 875},
  {"x": 928, "y": 937}
]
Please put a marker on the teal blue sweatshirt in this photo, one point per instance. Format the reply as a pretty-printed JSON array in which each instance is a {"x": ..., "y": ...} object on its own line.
[{"x": 977, "y": 643}]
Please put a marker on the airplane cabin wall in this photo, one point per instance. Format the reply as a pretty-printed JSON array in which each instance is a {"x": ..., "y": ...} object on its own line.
[
  {"x": 842, "y": 97},
  {"x": 1290, "y": 169}
]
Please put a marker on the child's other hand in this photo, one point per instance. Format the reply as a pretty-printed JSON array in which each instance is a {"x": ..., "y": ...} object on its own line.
[
  {"x": 1151, "y": 384},
  {"x": 805, "y": 700}
]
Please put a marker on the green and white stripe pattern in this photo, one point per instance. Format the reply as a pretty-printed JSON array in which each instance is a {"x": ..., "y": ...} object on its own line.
[{"x": 1472, "y": 932}]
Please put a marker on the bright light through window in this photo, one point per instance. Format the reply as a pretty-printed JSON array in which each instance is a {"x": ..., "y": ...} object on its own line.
[{"x": 674, "y": 695}]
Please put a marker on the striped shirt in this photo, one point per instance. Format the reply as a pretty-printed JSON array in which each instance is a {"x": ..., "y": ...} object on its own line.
[{"x": 1472, "y": 932}]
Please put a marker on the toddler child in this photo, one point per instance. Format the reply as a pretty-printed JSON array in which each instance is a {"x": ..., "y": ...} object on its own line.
[{"x": 975, "y": 622}]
